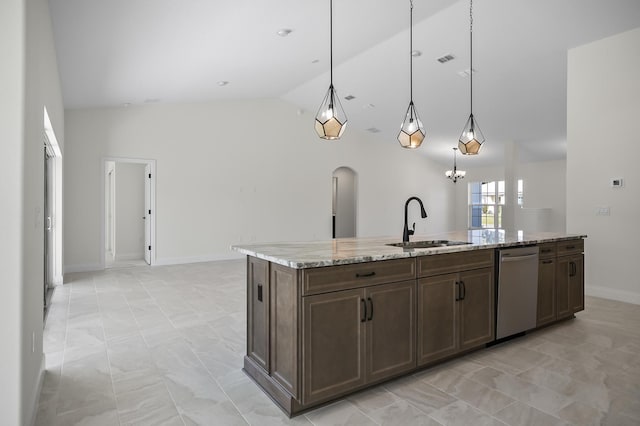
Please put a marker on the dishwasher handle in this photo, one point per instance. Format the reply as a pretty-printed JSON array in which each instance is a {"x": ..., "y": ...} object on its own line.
[{"x": 504, "y": 259}]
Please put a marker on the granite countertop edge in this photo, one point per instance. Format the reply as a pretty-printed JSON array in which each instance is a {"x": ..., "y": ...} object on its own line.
[{"x": 314, "y": 254}]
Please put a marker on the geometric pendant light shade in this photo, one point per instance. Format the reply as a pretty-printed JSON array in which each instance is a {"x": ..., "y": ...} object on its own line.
[
  {"x": 471, "y": 138},
  {"x": 411, "y": 131},
  {"x": 331, "y": 119}
]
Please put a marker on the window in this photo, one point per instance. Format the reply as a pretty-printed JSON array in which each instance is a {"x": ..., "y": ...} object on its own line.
[
  {"x": 486, "y": 201},
  {"x": 485, "y": 204},
  {"x": 520, "y": 193}
]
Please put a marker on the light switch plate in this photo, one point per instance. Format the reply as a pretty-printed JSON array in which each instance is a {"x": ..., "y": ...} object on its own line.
[{"x": 603, "y": 211}]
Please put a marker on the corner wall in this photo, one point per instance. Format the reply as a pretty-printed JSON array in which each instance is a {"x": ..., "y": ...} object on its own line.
[
  {"x": 28, "y": 82},
  {"x": 234, "y": 172},
  {"x": 12, "y": 26},
  {"x": 602, "y": 128}
]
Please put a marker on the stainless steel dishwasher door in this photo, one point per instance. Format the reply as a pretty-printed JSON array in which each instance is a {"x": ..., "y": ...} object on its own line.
[{"x": 517, "y": 290}]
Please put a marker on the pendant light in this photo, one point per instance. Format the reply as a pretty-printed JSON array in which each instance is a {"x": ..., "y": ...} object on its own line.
[
  {"x": 471, "y": 139},
  {"x": 411, "y": 132},
  {"x": 455, "y": 174},
  {"x": 330, "y": 119}
]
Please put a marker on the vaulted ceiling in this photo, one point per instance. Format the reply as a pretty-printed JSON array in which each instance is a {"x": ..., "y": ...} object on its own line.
[{"x": 117, "y": 52}]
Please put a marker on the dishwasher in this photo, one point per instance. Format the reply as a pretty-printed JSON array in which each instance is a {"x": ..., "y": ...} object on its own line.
[{"x": 517, "y": 291}]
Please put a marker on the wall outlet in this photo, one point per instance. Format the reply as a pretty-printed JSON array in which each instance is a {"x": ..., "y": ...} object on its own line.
[
  {"x": 617, "y": 182},
  {"x": 603, "y": 211}
]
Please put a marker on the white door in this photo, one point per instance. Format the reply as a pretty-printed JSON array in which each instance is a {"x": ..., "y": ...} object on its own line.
[{"x": 147, "y": 214}]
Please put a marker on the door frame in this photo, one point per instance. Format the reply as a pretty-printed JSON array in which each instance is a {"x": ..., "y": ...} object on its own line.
[{"x": 152, "y": 202}]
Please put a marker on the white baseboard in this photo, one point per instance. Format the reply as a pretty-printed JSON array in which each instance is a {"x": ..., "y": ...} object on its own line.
[
  {"x": 198, "y": 259},
  {"x": 90, "y": 267},
  {"x": 613, "y": 294},
  {"x": 36, "y": 401},
  {"x": 129, "y": 256}
]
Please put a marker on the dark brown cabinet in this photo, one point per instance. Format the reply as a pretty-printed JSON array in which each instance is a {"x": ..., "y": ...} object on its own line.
[
  {"x": 258, "y": 311},
  {"x": 456, "y": 309},
  {"x": 546, "y": 312},
  {"x": 355, "y": 337},
  {"x": 570, "y": 285},
  {"x": 560, "y": 280}
]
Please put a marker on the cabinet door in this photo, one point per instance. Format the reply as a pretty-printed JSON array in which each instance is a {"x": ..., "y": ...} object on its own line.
[
  {"x": 258, "y": 311},
  {"x": 546, "y": 291},
  {"x": 437, "y": 322},
  {"x": 576, "y": 283},
  {"x": 390, "y": 330},
  {"x": 333, "y": 344},
  {"x": 476, "y": 308},
  {"x": 563, "y": 270}
]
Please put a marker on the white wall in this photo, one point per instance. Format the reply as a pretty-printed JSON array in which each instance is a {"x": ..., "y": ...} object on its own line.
[
  {"x": 129, "y": 211},
  {"x": 239, "y": 172},
  {"x": 28, "y": 83},
  {"x": 602, "y": 127},
  {"x": 544, "y": 188},
  {"x": 12, "y": 26}
]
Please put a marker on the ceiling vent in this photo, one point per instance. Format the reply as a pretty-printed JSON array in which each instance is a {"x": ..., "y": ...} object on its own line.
[
  {"x": 349, "y": 97},
  {"x": 445, "y": 58},
  {"x": 373, "y": 130}
]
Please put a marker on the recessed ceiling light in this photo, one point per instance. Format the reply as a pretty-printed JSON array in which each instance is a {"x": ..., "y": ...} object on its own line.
[
  {"x": 315, "y": 61},
  {"x": 373, "y": 130},
  {"x": 349, "y": 97},
  {"x": 416, "y": 53},
  {"x": 222, "y": 83},
  {"x": 284, "y": 32}
]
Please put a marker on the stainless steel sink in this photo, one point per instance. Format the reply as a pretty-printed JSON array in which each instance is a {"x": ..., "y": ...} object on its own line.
[{"x": 428, "y": 244}]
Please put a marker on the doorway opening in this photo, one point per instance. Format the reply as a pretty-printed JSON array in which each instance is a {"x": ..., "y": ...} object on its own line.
[
  {"x": 344, "y": 202},
  {"x": 52, "y": 185},
  {"x": 128, "y": 216}
]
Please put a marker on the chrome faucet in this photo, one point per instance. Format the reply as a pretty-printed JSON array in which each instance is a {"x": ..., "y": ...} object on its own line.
[{"x": 407, "y": 232}]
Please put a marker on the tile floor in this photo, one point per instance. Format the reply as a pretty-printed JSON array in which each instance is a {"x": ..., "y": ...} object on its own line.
[{"x": 164, "y": 345}]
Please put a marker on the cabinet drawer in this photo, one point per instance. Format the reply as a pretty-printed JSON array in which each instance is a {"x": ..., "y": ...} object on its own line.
[
  {"x": 454, "y": 262},
  {"x": 547, "y": 250},
  {"x": 570, "y": 247},
  {"x": 342, "y": 277}
]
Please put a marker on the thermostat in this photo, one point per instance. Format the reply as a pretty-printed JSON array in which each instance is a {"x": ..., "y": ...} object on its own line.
[{"x": 616, "y": 182}]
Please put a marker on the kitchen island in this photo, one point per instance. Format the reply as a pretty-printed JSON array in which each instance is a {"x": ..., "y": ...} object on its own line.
[{"x": 328, "y": 318}]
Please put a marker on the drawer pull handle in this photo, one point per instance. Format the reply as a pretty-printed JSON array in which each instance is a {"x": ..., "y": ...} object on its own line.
[
  {"x": 546, "y": 262},
  {"x": 365, "y": 275},
  {"x": 571, "y": 247},
  {"x": 370, "y": 313},
  {"x": 464, "y": 290},
  {"x": 364, "y": 310},
  {"x": 259, "y": 292},
  {"x": 545, "y": 251}
]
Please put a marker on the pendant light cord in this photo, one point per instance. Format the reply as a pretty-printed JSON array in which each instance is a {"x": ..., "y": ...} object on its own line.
[
  {"x": 331, "y": 39},
  {"x": 471, "y": 53},
  {"x": 411, "y": 50}
]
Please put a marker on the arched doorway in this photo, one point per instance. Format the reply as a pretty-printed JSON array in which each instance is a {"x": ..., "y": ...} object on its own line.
[{"x": 344, "y": 202}]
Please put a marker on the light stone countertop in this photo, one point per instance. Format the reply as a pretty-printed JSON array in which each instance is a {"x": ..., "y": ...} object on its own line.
[{"x": 342, "y": 251}]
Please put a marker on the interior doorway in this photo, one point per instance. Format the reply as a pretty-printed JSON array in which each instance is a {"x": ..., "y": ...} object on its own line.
[
  {"x": 128, "y": 230},
  {"x": 344, "y": 202},
  {"x": 52, "y": 211}
]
